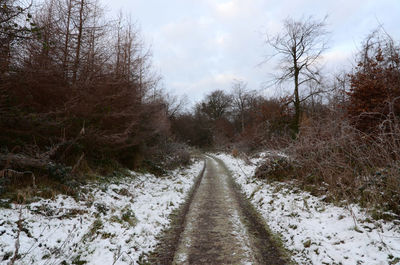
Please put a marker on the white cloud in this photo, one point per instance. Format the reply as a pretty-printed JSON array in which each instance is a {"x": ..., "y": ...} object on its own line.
[
  {"x": 338, "y": 56},
  {"x": 221, "y": 38},
  {"x": 201, "y": 45},
  {"x": 228, "y": 9}
]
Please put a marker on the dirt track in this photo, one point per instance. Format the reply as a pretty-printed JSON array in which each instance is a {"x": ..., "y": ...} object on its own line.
[{"x": 218, "y": 226}]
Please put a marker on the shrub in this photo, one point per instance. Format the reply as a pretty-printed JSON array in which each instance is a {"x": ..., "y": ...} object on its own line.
[
  {"x": 129, "y": 216},
  {"x": 352, "y": 165},
  {"x": 276, "y": 168},
  {"x": 169, "y": 156},
  {"x": 235, "y": 152},
  {"x": 59, "y": 172},
  {"x": 375, "y": 86}
]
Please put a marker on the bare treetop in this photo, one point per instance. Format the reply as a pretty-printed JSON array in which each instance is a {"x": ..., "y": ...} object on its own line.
[{"x": 299, "y": 46}]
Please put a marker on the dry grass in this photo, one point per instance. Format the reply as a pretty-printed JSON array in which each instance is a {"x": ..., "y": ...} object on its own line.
[{"x": 333, "y": 157}]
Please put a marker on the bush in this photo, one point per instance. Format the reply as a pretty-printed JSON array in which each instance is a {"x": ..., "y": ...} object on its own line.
[
  {"x": 235, "y": 152},
  {"x": 273, "y": 169},
  {"x": 129, "y": 216},
  {"x": 168, "y": 156},
  {"x": 352, "y": 165},
  {"x": 182, "y": 157},
  {"x": 59, "y": 172},
  {"x": 4, "y": 183}
]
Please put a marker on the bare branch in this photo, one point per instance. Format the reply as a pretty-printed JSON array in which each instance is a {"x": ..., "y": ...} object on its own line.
[{"x": 299, "y": 46}]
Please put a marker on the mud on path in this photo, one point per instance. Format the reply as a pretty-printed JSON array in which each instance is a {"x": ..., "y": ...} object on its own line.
[{"x": 217, "y": 226}]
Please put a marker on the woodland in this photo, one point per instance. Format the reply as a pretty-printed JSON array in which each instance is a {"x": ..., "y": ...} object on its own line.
[{"x": 79, "y": 98}]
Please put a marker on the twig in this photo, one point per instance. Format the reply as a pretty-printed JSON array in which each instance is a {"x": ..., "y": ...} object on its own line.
[
  {"x": 117, "y": 254},
  {"x": 241, "y": 169},
  {"x": 76, "y": 166},
  {"x": 17, "y": 244}
]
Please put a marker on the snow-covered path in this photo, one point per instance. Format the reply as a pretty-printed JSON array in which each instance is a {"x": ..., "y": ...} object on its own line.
[{"x": 218, "y": 230}]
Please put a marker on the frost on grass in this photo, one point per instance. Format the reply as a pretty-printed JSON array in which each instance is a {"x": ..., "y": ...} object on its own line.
[
  {"x": 314, "y": 231},
  {"x": 110, "y": 224}
]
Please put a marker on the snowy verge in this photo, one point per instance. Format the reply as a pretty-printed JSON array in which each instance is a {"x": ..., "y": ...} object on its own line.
[
  {"x": 113, "y": 223},
  {"x": 316, "y": 232}
]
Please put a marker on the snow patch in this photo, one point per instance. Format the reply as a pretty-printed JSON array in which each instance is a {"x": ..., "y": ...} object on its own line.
[
  {"x": 112, "y": 223},
  {"x": 314, "y": 231}
]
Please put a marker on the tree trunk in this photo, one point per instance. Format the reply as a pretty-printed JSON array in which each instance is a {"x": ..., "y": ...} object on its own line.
[
  {"x": 67, "y": 33},
  {"x": 5, "y": 56},
  {"x": 22, "y": 162},
  {"x": 242, "y": 121},
  {"x": 79, "y": 40},
  {"x": 296, "y": 101}
]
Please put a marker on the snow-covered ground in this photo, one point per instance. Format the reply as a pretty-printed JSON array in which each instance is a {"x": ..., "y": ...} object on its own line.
[
  {"x": 316, "y": 232},
  {"x": 112, "y": 224}
]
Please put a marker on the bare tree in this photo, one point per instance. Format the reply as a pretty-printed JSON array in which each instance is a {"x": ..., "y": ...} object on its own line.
[
  {"x": 68, "y": 5},
  {"x": 299, "y": 47},
  {"x": 241, "y": 100},
  {"x": 174, "y": 105},
  {"x": 96, "y": 52},
  {"x": 216, "y": 105},
  {"x": 79, "y": 40},
  {"x": 15, "y": 25}
]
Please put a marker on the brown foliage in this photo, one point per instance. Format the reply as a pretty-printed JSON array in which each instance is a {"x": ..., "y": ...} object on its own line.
[
  {"x": 375, "y": 85},
  {"x": 266, "y": 121},
  {"x": 337, "y": 159},
  {"x": 67, "y": 91}
]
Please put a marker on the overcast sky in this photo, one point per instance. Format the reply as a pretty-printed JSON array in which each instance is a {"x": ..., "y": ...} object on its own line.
[{"x": 202, "y": 45}]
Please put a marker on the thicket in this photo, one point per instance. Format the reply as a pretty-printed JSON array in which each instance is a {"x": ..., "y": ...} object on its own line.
[
  {"x": 349, "y": 148},
  {"x": 239, "y": 119},
  {"x": 77, "y": 91}
]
